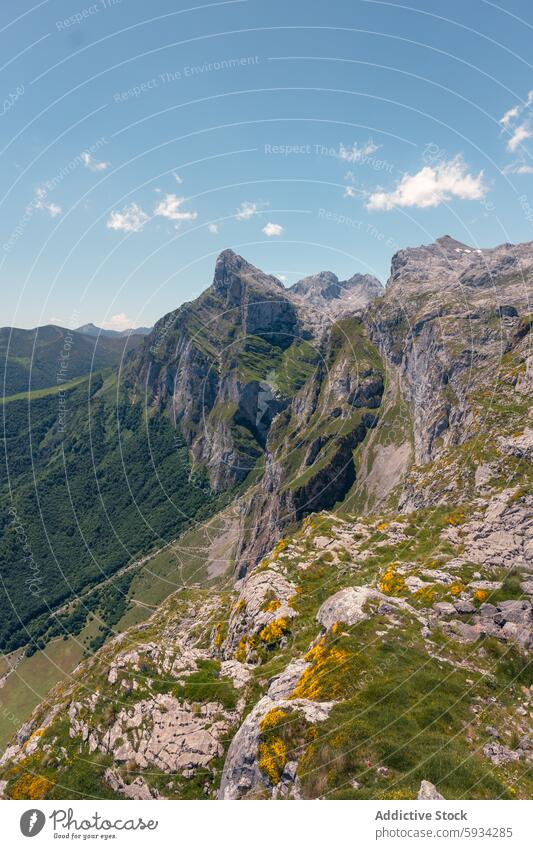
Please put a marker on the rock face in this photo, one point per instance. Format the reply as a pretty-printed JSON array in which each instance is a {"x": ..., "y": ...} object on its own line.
[
  {"x": 208, "y": 364},
  {"x": 449, "y": 314}
]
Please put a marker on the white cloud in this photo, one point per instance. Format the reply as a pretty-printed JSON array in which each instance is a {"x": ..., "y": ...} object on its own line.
[
  {"x": 521, "y": 169},
  {"x": 271, "y": 229},
  {"x": 516, "y": 111},
  {"x": 518, "y": 125},
  {"x": 282, "y": 277},
  {"x": 178, "y": 178},
  {"x": 510, "y": 115},
  {"x": 246, "y": 210},
  {"x": 93, "y": 164},
  {"x": 169, "y": 208},
  {"x": 213, "y": 228},
  {"x": 131, "y": 220},
  {"x": 53, "y": 209},
  {"x": 40, "y": 202},
  {"x": 520, "y": 134},
  {"x": 431, "y": 186},
  {"x": 356, "y": 153},
  {"x": 349, "y": 192},
  {"x": 120, "y": 321}
]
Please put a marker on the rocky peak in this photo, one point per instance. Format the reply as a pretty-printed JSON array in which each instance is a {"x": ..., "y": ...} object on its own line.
[
  {"x": 232, "y": 272},
  {"x": 337, "y": 297},
  {"x": 450, "y": 263}
]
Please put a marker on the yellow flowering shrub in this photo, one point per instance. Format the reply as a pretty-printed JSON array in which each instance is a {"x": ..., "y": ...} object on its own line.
[
  {"x": 219, "y": 634},
  {"x": 426, "y": 595},
  {"x": 272, "y": 719},
  {"x": 391, "y": 582},
  {"x": 481, "y": 595},
  {"x": 274, "y": 631},
  {"x": 457, "y": 588},
  {"x": 241, "y": 606},
  {"x": 31, "y": 787},
  {"x": 457, "y": 517},
  {"x": 272, "y": 758},
  {"x": 318, "y": 680},
  {"x": 240, "y": 653}
]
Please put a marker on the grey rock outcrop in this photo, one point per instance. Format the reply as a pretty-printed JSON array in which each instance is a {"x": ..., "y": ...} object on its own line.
[{"x": 428, "y": 791}]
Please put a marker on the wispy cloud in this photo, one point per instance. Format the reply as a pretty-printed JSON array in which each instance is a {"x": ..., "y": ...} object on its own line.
[
  {"x": 516, "y": 111},
  {"x": 178, "y": 179},
  {"x": 520, "y": 134},
  {"x": 349, "y": 192},
  {"x": 246, "y": 210},
  {"x": 510, "y": 115},
  {"x": 40, "y": 202},
  {"x": 169, "y": 208},
  {"x": 431, "y": 186},
  {"x": 358, "y": 153},
  {"x": 213, "y": 228},
  {"x": 93, "y": 164},
  {"x": 518, "y": 169},
  {"x": 131, "y": 219},
  {"x": 271, "y": 229},
  {"x": 517, "y": 124}
]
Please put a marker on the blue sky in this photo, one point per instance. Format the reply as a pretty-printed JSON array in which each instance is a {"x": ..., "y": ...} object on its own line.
[{"x": 139, "y": 140}]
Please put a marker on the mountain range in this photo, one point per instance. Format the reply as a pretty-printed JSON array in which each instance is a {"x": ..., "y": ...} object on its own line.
[
  {"x": 50, "y": 355},
  {"x": 349, "y": 468},
  {"x": 91, "y": 329}
]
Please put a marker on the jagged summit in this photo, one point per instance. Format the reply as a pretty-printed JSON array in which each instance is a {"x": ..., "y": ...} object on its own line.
[
  {"x": 232, "y": 270},
  {"x": 325, "y": 291},
  {"x": 450, "y": 263}
]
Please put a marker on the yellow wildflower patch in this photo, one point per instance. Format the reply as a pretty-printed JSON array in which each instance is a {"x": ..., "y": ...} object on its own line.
[
  {"x": 391, "y": 582},
  {"x": 31, "y": 787},
  {"x": 274, "y": 631},
  {"x": 273, "y": 718},
  {"x": 317, "y": 680},
  {"x": 240, "y": 653},
  {"x": 272, "y": 758},
  {"x": 219, "y": 634}
]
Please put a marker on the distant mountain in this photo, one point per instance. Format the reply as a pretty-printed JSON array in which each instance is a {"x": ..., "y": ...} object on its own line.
[
  {"x": 91, "y": 329},
  {"x": 337, "y": 297},
  {"x": 48, "y": 355}
]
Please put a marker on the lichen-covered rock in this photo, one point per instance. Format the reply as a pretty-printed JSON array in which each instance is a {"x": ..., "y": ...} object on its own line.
[
  {"x": 347, "y": 606},
  {"x": 428, "y": 791}
]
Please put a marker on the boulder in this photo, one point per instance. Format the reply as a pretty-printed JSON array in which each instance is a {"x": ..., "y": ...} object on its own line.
[
  {"x": 346, "y": 606},
  {"x": 428, "y": 791}
]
